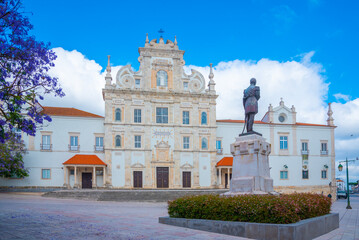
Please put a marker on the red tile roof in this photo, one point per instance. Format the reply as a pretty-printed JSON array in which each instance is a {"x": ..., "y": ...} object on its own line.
[
  {"x": 226, "y": 161},
  {"x": 80, "y": 159},
  {"x": 260, "y": 122},
  {"x": 69, "y": 112}
]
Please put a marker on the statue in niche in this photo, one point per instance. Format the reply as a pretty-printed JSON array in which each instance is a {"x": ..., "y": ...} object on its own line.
[
  {"x": 251, "y": 96},
  {"x": 162, "y": 78}
]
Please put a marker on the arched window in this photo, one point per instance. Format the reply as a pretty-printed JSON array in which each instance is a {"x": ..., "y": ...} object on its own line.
[
  {"x": 118, "y": 115},
  {"x": 118, "y": 141},
  {"x": 162, "y": 78},
  {"x": 204, "y": 118},
  {"x": 204, "y": 143}
]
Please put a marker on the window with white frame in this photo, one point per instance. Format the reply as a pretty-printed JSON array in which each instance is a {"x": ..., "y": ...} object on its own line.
[
  {"x": 305, "y": 174},
  {"x": 99, "y": 144},
  {"x": 219, "y": 146},
  {"x": 283, "y": 142},
  {"x": 137, "y": 116},
  {"x": 185, "y": 142},
  {"x": 138, "y": 141},
  {"x": 324, "y": 174},
  {"x": 46, "y": 174},
  {"x": 185, "y": 117},
  {"x": 74, "y": 143},
  {"x": 118, "y": 114},
  {"x": 204, "y": 143},
  {"x": 324, "y": 148},
  {"x": 283, "y": 174},
  {"x": 46, "y": 142},
  {"x": 161, "y": 115}
]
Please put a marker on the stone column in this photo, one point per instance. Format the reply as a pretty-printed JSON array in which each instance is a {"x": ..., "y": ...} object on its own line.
[
  {"x": 94, "y": 185},
  {"x": 65, "y": 177},
  {"x": 220, "y": 177},
  {"x": 68, "y": 177},
  {"x": 228, "y": 177},
  {"x": 75, "y": 177},
  {"x": 104, "y": 177},
  {"x": 250, "y": 171}
]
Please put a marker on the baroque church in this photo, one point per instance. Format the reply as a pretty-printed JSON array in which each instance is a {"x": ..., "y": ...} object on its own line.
[
  {"x": 160, "y": 123},
  {"x": 160, "y": 130}
]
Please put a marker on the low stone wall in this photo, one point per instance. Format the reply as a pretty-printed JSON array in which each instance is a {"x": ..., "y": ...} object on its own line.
[
  {"x": 302, "y": 230},
  {"x": 129, "y": 195}
]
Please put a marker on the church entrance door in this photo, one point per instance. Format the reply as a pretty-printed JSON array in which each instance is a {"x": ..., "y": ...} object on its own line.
[
  {"x": 86, "y": 180},
  {"x": 137, "y": 179},
  {"x": 186, "y": 179},
  {"x": 162, "y": 177}
]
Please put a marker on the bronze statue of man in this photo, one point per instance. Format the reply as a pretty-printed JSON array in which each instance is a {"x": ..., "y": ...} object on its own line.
[{"x": 250, "y": 102}]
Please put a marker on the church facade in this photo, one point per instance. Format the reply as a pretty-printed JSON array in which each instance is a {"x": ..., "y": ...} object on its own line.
[
  {"x": 160, "y": 123},
  {"x": 160, "y": 130}
]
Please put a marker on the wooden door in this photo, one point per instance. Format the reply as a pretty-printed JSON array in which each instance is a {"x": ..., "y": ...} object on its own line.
[
  {"x": 162, "y": 177},
  {"x": 186, "y": 179},
  {"x": 137, "y": 179},
  {"x": 86, "y": 180}
]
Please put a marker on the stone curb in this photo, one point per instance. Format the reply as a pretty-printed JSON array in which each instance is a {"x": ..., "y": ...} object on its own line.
[{"x": 303, "y": 230}]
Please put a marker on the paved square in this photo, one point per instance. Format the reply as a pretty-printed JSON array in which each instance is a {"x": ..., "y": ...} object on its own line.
[{"x": 30, "y": 216}]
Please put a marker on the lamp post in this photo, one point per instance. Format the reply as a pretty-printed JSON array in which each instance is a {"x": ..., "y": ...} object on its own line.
[{"x": 340, "y": 167}]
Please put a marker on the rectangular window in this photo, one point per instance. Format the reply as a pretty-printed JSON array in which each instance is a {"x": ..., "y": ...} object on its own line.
[
  {"x": 283, "y": 174},
  {"x": 185, "y": 117},
  {"x": 305, "y": 174},
  {"x": 137, "y": 83},
  {"x": 161, "y": 115},
  {"x": 46, "y": 174},
  {"x": 185, "y": 85},
  {"x": 99, "y": 144},
  {"x": 74, "y": 143},
  {"x": 324, "y": 149},
  {"x": 137, "y": 116},
  {"x": 324, "y": 174},
  {"x": 185, "y": 142},
  {"x": 219, "y": 146},
  {"x": 304, "y": 146},
  {"x": 283, "y": 142},
  {"x": 46, "y": 142},
  {"x": 137, "y": 141}
]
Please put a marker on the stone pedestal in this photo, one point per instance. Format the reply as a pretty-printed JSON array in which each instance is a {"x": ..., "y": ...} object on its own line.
[{"x": 250, "y": 172}]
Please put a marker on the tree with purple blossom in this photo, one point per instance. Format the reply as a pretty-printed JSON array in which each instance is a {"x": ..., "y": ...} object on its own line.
[
  {"x": 11, "y": 157},
  {"x": 24, "y": 78}
]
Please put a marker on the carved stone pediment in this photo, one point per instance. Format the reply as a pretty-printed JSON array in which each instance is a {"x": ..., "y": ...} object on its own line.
[
  {"x": 186, "y": 166},
  {"x": 162, "y": 152},
  {"x": 137, "y": 165},
  {"x": 162, "y": 145}
]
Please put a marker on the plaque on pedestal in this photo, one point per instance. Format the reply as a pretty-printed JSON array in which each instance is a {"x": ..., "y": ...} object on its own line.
[{"x": 250, "y": 172}]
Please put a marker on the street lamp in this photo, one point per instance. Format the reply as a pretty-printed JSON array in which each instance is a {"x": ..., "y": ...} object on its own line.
[{"x": 340, "y": 168}]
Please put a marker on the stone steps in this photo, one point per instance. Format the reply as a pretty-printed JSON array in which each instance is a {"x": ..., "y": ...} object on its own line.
[{"x": 129, "y": 195}]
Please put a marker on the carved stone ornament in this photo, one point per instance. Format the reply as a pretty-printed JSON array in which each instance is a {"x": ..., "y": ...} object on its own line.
[
  {"x": 196, "y": 82},
  {"x": 125, "y": 77}
]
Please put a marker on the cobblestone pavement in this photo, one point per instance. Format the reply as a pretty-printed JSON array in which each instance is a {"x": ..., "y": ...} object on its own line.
[{"x": 26, "y": 216}]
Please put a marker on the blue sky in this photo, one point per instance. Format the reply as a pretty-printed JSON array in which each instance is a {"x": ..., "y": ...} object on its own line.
[
  {"x": 210, "y": 31},
  {"x": 313, "y": 43}
]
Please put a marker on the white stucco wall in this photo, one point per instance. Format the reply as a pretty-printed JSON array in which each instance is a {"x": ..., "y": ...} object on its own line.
[{"x": 59, "y": 129}]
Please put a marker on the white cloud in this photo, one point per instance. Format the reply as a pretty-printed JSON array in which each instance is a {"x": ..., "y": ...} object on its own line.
[
  {"x": 339, "y": 96},
  {"x": 81, "y": 81},
  {"x": 299, "y": 83}
]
